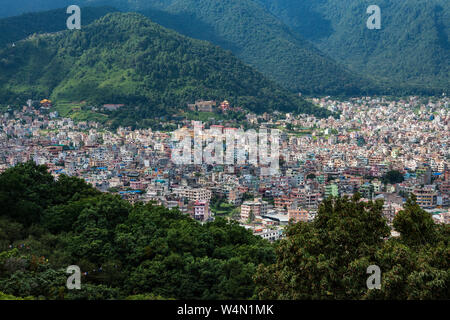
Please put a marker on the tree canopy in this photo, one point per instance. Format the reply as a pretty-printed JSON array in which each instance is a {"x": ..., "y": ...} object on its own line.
[
  {"x": 410, "y": 52},
  {"x": 144, "y": 251},
  {"x": 328, "y": 258},
  {"x": 124, "y": 58},
  {"x": 393, "y": 176},
  {"x": 141, "y": 251}
]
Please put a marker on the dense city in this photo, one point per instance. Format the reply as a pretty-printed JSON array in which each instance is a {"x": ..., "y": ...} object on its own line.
[{"x": 382, "y": 148}]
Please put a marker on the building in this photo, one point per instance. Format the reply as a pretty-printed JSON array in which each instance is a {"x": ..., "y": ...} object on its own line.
[
  {"x": 307, "y": 199},
  {"x": 201, "y": 210},
  {"x": 446, "y": 217},
  {"x": 331, "y": 190},
  {"x": 112, "y": 107},
  {"x": 298, "y": 215},
  {"x": 234, "y": 197},
  {"x": 426, "y": 198},
  {"x": 271, "y": 235},
  {"x": 46, "y": 103},
  {"x": 367, "y": 190},
  {"x": 390, "y": 210},
  {"x": 257, "y": 207},
  {"x": 202, "y": 106},
  {"x": 283, "y": 202},
  {"x": 225, "y": 106},
  {"x": 193, "y": 194}
]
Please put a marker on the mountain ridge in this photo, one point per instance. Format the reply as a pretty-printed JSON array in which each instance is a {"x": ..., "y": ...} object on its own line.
[
  {"x": 126, "y": 58},
  {"x": 27, "y": 24},
  {"x": 257, "y": 38},
  {"x": 291, "y": 42},
  {"x": 412, "y": 46}
]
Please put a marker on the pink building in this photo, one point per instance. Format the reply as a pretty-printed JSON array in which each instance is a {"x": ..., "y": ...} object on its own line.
[
  {"x": 137, "y": 185},
  {"x": 201, "y": 210}
]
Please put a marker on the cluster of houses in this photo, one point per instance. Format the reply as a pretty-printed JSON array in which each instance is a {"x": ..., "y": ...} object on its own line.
[{"x": 319, "y": 158}]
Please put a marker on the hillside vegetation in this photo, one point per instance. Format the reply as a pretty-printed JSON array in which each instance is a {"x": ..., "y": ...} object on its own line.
[
  {"x": 256, "y": 37},
  {"x": 148, "y": 252},
  {"x": 314, "y": 47},
  {"x": 126, "y": 58},
  {"x": 411, "y": 48},
  {"x": 136, "y": 252},
  {"x": 20, "y": 27}
]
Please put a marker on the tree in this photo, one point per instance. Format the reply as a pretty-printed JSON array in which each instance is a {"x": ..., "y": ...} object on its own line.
[
  {"x": 71, "y": 189},
  {"x": 328, "y": 259},
  {"x": 28, "y": 190},
  {"x": 4, "y": 296},
  {"x": 311, "y": 176},
  {"x": 416, "y": 226},
  {"x": 247, "y": 196},
  {"x": 151, "y": 251},
  {"x": 251, "y": 216},
  {"x": 325, "y": 259},
  {"x": 24, "y": 192},
  {"x": 392, "y": 177}
]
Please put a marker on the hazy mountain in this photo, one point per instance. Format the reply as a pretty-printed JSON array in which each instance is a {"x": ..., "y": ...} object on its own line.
[
  {"x": 315, "y": 47},
  {"x": 19, "y": 27},
  {"x": 126, "y": 58},
  {"x": 411, "y": 47},
  {"x": 10, "y": 8},
  {"x": 253, "y": 35}
]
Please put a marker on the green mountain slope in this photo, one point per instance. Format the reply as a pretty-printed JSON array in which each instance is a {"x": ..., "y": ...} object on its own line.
[
  {"x": 256, "y": 37},
  {"x": 126, "y": 58},
  {"x": 20, "y": 27},
  {"x": 262, "y": 41},
  {"x": 412, "y": 46}
]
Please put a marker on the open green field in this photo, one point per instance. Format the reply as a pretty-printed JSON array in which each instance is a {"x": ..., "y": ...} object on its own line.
[
  {"x": 224, "y": 209},
  {"x": 203, "y": 116},
  {"x": 78, "y": 112}
]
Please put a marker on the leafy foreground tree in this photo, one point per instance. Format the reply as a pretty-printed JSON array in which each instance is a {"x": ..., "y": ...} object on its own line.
[
  {"x": 328, "y": 259},
  {"x": 10, "y": 297},
  {"x": 139, "y": 252},
  {"x": 150, "y": 252}
]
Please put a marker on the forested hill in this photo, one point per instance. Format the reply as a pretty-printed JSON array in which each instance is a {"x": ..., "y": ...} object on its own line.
[
  {"x": 261, "y": 40},
  {"x": 412, "y": 47},
  {"x": 149, "y": 252},
  {"x": 254, "y": 35},
  {"x": 20, "y": 27},
  {"x": 314, "y": 47},
  {"x": 124, "y": 251},
  {"x": 126, "y": 58}
]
